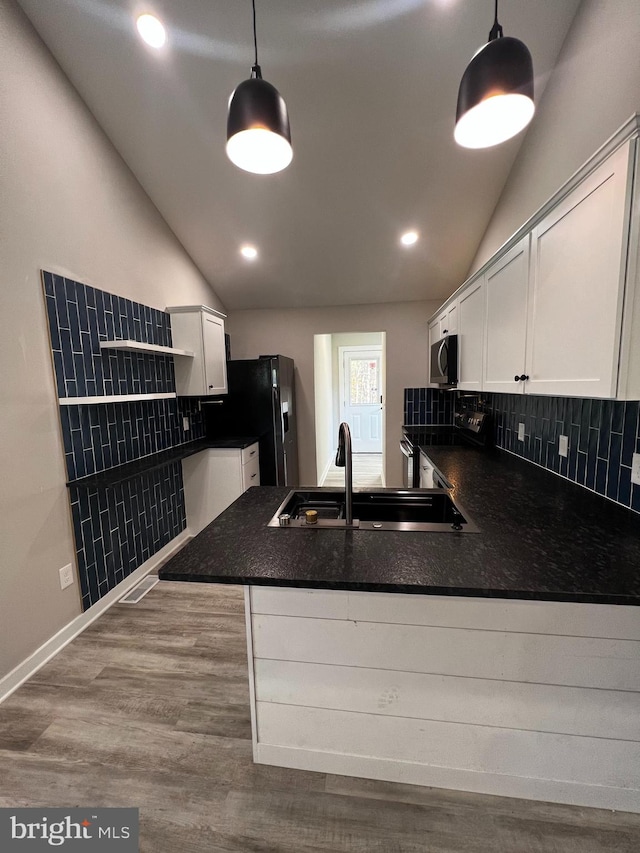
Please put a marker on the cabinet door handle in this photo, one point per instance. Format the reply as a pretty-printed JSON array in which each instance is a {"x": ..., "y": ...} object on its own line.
[
  {"x": 516, "y": 379},
  {"x": 522, "y": 378},
  {"x": 445, "y": 331},
  {"x": 253, "y": 453},
  {"x": 254, "y": 475}
]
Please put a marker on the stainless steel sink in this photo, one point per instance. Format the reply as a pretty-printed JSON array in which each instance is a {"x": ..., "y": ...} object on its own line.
[{"x": 428, "y": 510}]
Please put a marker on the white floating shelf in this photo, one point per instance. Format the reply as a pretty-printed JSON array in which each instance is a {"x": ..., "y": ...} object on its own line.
[
  {"x": 138, "y": 346},
  {"x": 113, "y": 398}
]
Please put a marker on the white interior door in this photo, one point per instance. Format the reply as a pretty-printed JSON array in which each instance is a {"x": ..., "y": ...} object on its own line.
[{"x": 361, "y": 396}]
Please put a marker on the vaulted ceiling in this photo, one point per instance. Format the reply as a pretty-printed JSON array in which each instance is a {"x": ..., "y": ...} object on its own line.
[{"x": 371, "y": 88}]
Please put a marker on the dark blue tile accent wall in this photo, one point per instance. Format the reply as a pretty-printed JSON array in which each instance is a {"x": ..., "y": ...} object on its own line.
[
  {"x": 603, "y": 435},
  {"x": 117, "y": 529},
  {"x": 100, "y": 436},
  {"x": 80, "y": 317},
  {"x": 424, "y": 406}
]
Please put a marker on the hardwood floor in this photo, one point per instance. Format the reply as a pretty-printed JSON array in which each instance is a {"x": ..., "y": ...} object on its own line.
[
  {"x": 150, "y": 708},
  {"x": 367, "y": 471}
]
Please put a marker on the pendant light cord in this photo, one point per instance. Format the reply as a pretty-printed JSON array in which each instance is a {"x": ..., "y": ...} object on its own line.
[
  {"x": 255, "y": 69},
  {"x": 496, "y": 29}
]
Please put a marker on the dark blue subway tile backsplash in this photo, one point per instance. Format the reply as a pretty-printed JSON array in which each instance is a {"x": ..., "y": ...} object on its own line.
[
  {"x": 116, "y": 528},
  {"x": 426, "y": 406},
  {"x": 603, "y": 434}
]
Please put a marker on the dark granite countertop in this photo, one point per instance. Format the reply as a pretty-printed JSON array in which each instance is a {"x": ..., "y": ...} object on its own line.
[
  {"x": 121, "y": 473},
  {"x": 541, "y": 537}
]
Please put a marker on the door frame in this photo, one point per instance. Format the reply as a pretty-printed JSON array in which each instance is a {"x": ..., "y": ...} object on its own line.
[{"x": 377, "y": 348}]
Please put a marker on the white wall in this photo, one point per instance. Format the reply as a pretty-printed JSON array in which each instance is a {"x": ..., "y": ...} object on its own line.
[
  {"x": 594, "y": 88},
  {"x": 323, "y": 396},
  {"x": 71, "y": 205},
  {"x": 290, "y": 332}
]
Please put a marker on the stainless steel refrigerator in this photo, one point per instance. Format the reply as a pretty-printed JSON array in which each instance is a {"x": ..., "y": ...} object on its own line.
[{"x": 261, "y": 402}]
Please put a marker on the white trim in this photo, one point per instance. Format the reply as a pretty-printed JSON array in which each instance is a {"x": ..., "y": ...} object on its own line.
[
  {"x": 189, "y": 309},
  {"x": 248, "y": 609},
  {"x": 327, "y": 468},
  {"x": 138, "y": 346},
  {"x": 367, "y": 767},
  {"x": 52, "y": 646},
  {"x": 113, "y": 398}
]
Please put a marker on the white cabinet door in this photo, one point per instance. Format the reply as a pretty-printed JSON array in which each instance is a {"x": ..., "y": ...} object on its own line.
[
  {"x": 215, "y": 362},
  {"x": 507, "y": 286},
  {"x": 201, "y": 330},
  {"x": 471, "y": 336},
  {"x": 213, "y": 479},
  {"x": 575, "y": 305}
]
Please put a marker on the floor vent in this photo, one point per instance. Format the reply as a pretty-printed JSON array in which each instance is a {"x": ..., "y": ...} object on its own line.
[{"x": 134, "y": 595}]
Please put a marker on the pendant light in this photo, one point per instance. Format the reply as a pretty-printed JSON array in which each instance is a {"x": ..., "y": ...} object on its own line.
[
  {"x": 495, "y": 99},
  {"x": 258, "y": 134}
]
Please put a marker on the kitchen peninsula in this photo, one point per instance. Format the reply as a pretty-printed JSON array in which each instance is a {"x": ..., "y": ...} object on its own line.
[{"x": 504, "y": 662}]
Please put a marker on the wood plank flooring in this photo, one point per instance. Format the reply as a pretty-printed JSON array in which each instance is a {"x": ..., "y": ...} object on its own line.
[
  {"x": 367, "y": 471},
  {"x": 149, "y": 708}
]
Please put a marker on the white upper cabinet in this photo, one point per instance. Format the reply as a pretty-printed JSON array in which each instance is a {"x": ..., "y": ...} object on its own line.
[
  {"x": 507, "y": 286},
  {"x": 200, "y": 329},
  {"x": 446, "y": 323},
  {"x": 562, "y": 314},
  {"x": 471, "y": 336},
  {"x": 577, "y": 287}
]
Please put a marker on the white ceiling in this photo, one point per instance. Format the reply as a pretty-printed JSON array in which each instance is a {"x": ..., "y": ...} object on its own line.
[{"x": 371, "y": 87}]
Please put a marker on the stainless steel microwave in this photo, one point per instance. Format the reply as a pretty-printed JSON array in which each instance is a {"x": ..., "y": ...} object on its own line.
[{"x": 443, "y": 361}]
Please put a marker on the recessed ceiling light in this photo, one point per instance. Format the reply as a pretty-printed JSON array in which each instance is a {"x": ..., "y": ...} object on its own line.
[
  {"x": 151, "y": 30},
  {"x": 409, "y": 238},
  {"x": 249, "y": 252}
]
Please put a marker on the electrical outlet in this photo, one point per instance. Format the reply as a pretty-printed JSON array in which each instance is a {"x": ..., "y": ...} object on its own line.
[
  {"x": 635, "y": 469},
  {"x": 186, "y": 426},
  {"x": 563, "y": 445},
  {"x": 520, "y": 432},
  {"x": 66, "y": 576}
]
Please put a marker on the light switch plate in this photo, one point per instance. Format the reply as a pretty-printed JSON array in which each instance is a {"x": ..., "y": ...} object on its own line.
[
  {"x": 186, "y": 426},
  {"x": 520, "y": 432},
  {"x": 563, "y": 445},
  {"x": 635, "y": 469}
]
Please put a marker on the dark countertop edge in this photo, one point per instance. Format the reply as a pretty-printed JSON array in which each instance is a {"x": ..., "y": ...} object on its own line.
[
  {"x": 121, "y": 473},
  {"x": 409, "y": 589}
]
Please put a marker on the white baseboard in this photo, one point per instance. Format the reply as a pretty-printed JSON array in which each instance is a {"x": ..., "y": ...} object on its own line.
[
  {"x": 520, "y": 787},
  {"x": 327, "y": 467},
  {"x": 10, "y": 682}
]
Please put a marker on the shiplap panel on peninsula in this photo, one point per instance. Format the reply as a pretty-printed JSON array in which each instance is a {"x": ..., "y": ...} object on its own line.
[{"x": 513, "y": 698}]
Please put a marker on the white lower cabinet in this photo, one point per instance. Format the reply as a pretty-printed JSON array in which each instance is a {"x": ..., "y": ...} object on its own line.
[{"x": 214, "y": 478}]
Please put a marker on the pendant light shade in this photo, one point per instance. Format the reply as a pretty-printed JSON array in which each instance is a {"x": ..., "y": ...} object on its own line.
[
  {"x": 495, "y": 99},
  {"x": 258, "y": 132}
]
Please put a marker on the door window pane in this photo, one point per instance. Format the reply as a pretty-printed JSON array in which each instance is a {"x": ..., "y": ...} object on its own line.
[{"x": 364, "y": 382}]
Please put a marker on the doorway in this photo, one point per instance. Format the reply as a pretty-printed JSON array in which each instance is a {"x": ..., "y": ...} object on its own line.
[
  {"x": 361, "y": 396},
  {"x": 349, "y": 385}
]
